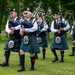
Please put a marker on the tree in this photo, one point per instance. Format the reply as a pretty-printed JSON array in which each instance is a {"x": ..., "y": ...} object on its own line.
[{"x": 65, "y": 6}]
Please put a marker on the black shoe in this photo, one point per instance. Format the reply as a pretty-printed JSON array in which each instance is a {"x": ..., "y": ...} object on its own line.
[
  {"x": 21, "y": 69},
  {"x": 71, "y": 55},
  {"x": 55, "y": 59},
  {"x": 4, "y": 64},
  {"x": 31, "y": 69},
  {"x": 61, "y": 61}
]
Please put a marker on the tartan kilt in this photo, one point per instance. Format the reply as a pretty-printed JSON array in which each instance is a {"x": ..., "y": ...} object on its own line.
[
  {"x": 62, "y": 46},
  {"x": 17, "y": 43},
  {"x": 43, "y": 43},
  {"x": 32, "y": 46},
  {"x": 73, "y": 40}
]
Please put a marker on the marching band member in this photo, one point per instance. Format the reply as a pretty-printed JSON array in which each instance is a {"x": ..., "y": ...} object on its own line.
[
  {"x": 29, "y": 41},
  {"x": 73, "y": 38},
  {"x": 41, "y": 35},
  {"x": 59, "y": 27},
  {"x": 14, "y": 41}
]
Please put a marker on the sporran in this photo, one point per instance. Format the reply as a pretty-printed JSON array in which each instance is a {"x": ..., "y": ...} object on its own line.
[
  {"x": 58, "y": 40},
  {"x": 11, "y": 44},
  {"x": 39, "y": 39},
  {"x": 26, "y": 40}
]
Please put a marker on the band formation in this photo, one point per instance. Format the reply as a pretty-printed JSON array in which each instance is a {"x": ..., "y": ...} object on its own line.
[{"x": 28, "y": 34}]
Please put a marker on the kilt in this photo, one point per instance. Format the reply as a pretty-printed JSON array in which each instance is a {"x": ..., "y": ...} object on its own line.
[
  {"x": 73, "y": 40},
  {"x": 17, "y": 43},
  {"x": 43, "y": 43},
  {"x": 32, "y": 46},
  {"x": 62, "y": 46}
]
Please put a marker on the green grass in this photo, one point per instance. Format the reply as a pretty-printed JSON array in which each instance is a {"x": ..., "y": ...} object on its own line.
[{"x": 42, "y": 67}]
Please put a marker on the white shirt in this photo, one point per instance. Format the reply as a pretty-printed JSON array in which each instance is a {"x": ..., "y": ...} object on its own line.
[
  {"x": 72, "y": 30},
  {"x": 65, "y": 28},
  {"x": 7, "y": 26},
  {"x": 45, "y": 27}
]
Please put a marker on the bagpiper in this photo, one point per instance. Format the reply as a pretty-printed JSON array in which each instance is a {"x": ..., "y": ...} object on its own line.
[
  {"x": 29, "y": 41},
  {"x": 59, "y": 27},
  {"x": 14, "y": 41},
  {"x": 41, "y": 35}
]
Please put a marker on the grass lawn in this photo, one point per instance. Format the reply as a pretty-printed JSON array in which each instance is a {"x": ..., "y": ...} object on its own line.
[{"x": 42, "y": 67}]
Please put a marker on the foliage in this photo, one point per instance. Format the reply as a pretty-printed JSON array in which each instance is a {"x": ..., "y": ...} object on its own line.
[{"x": 5, "y": 5}]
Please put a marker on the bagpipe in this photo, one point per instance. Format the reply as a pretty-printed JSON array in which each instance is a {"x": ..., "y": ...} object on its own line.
[
  {"x": 61, "y": 25},
  {"x": 40, "y": 27},
  {"x": 13, "y": 23},
  {"x": 46, "y": 17},
  {"x": 15, "y": 32},
  {"x": 34, "y": 13},
  {"x": 25, "y": 24}
]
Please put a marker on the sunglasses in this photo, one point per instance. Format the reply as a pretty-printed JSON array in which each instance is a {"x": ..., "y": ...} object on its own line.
[{"x": 26, "y": 13}]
